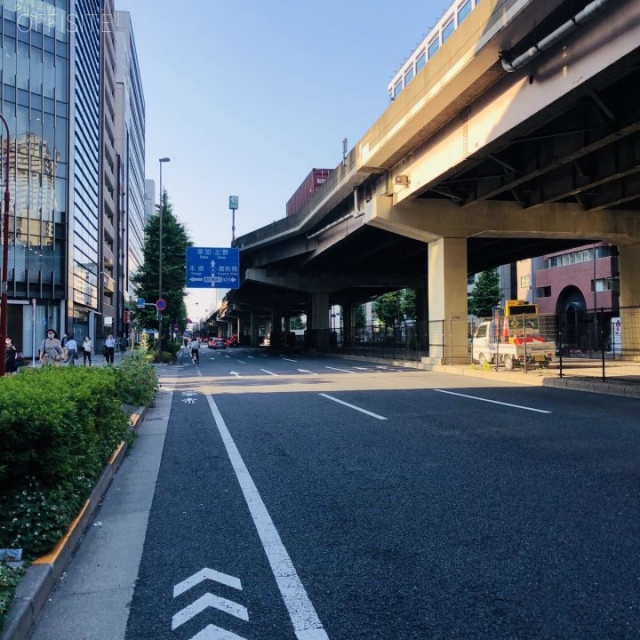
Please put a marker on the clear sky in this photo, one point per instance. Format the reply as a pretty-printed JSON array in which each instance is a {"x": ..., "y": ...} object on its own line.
[{"x": 247, "y": 96}]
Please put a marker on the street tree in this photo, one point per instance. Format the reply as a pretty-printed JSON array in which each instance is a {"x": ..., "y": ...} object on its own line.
[
  {"x": 486, "y": 294},
  {"x": 388, "y": 308},
  {"x": 146, "y": 279}
]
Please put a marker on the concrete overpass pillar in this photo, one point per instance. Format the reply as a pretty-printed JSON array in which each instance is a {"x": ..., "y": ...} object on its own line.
[
  {"x": 629, "y": 259},
  {"x": 276, "y": 328},
  {"x": 447, "y": 300},
  {"x": 320, "y": 320},
  {"x": 422, "y": 314},
  {"x": 253, "y": 329},
  {"x": 348, "y": 322}
]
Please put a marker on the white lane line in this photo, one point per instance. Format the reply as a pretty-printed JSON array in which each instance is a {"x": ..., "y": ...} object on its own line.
[
  {"x": 504, "y": 404},
  {"x": 306, "y": 624},
  {"x": 270, "y": 372},
  {"x": 343, "y": 370},
  {"x": 353, "y": 406},
  {"x": 311, "y": 373},
  {"x": 289, "y": 359},
  {"x": 234, "y": 373},
  {"x": 240, "y": 361}
]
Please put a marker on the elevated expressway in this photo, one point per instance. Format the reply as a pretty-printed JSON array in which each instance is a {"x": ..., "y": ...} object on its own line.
[{"x": 519, "y": 138}]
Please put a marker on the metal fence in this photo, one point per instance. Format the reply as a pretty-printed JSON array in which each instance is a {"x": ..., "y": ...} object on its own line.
[{"x": 583, "y": 343}]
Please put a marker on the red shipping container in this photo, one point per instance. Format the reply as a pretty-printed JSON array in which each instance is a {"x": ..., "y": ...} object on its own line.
[{"x": 306, "y": 190}]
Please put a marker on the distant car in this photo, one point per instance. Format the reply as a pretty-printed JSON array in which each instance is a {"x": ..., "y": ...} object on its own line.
[
  {"x": 216, "y": 343},
  {"x": 233, "y": 341}
]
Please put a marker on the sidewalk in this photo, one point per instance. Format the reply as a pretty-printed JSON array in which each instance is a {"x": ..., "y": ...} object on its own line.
[{"x": 622, "y": 377}]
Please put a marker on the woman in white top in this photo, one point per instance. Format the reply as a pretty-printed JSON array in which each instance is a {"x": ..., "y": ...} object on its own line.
[{"x": 87, "y": 350}]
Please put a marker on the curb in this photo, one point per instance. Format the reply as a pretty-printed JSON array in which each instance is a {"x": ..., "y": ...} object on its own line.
[{"x": 40, "y": 579}]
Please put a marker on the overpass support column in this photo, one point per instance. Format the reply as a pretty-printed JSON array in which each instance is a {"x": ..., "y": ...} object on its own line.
[
  {"x": 447, "y": 293},
  {"x": 276, "y": 328},
  {"x": 253, "y": 329},
  {"x": 630, "y": 300},
  {"x": 320, "y": 321},
  {"x": 348, "y": 322}
]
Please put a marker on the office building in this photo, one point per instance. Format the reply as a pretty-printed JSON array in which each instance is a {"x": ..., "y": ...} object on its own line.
[{"x": 73, "y": 188}]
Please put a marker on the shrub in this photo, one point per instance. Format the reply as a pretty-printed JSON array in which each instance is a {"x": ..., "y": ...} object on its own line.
[
  {"x": 58, "y": 422},
  {"x": 9, "y": 578},
  {"x": 137, "y": 380},
  {"x": 58, "y": 425}
]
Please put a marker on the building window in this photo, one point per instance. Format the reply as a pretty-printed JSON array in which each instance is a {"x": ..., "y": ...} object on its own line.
[
  {"x": 543, "y": 292},
  {"x": 421, "y": 60},
  {"x": 397, "y": 90},
  {"x": 605, "y": 284}
]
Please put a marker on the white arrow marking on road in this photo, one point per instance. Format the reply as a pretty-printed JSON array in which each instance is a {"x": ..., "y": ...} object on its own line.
[
  {"x": 311, "y": 373},
  {"x": 234, "y": 373},
  {"x": 343, "y": 370},
  {"x": 206, "y": 574},
  {"x": 215, "y": 633},
  {"x": 189, "y": 400},
  {"x": 270, "y": 372},
  {"x": 188, "y": 393},
  {"x": 206, "y": 601}
]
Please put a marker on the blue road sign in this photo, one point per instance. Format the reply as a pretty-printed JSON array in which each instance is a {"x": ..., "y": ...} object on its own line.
[
  {"x": 161, "y": 304},
  {"x": 213, "y": 268},
  {"x": 140, "y": 303}
]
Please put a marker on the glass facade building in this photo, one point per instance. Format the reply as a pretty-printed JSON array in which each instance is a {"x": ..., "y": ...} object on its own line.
[
  {"x": 62, "y": 262},
  {"x": 132, "y": 143}
]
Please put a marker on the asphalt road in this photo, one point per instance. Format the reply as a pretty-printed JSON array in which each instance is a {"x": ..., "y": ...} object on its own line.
[{"x": 302, "y": 498}]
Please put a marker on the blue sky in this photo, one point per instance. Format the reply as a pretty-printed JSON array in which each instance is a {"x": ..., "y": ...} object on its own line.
[{"x": 247, "y": 96}]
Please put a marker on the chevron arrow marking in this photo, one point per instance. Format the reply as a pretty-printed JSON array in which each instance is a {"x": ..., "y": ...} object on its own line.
[
  {"x": 209, "y": 600},
  {"x": 215, "y": 633},
  {"x": 206, "y": 574}
]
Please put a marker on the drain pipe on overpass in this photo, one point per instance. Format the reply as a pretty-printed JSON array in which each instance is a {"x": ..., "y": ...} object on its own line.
[{"x": 577, "y": 21}]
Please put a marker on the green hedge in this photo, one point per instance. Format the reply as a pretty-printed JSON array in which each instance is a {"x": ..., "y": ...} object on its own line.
[
  {"x": 58, "y": 428},
  {"x": 57, "y": 422}
]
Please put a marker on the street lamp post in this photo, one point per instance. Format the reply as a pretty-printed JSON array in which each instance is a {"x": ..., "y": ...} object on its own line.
[
  {"x": 233, "y": 205},
  {"x": 161, "y": 161},
  {"x": 4, "y": 320}
]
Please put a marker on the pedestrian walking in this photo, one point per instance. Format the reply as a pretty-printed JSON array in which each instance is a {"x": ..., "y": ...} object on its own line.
[
  {"x": 195, "y": 351},
  {"x": 10, "y": 364},
  {"x": 71, "y": 347},
  {"x": 109, "y": 349},
  {"x": 51, "y": 349},
  {"x": 87, "y": 350}
]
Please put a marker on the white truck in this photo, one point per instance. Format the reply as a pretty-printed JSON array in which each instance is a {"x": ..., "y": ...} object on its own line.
[{"x": 513, "y": 339}]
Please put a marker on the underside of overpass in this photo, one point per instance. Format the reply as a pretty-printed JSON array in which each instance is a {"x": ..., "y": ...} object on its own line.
[{"x": 515, "y": 165}]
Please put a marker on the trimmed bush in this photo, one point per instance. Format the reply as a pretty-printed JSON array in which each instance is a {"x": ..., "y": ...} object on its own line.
[
  {"x": 58, "y": 426},
  {"x": 137, "y": 381}
]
